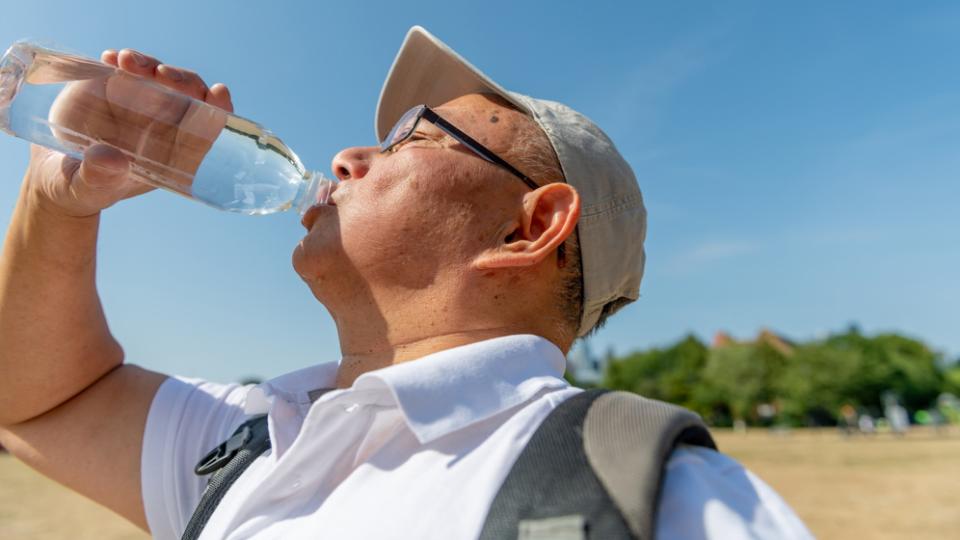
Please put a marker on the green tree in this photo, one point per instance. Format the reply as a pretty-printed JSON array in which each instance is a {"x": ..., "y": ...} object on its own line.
[
  {"x": 890, "y": 362},
  {"x": 816, "y": 382},
  {"x": 669, "y": 374},
  {"x": 684, "y": 363},
  {"x": 736, "y": 379},
  {"x": 951, "y": 379},
  {"x": 808, "y": 383}
]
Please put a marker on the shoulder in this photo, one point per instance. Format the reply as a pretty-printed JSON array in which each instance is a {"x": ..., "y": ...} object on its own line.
[
  {"x": 181, "y": 399},
  {"x": 707, "y": 494},
  {"x": 188, "y": 417}
]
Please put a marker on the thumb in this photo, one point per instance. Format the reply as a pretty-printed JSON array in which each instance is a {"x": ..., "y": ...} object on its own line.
[
  {"x": 102, "y": 178},
  {"x": 103, "y": 168}
]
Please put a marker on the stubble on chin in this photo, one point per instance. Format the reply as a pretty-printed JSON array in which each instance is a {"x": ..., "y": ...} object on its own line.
[{"x": 307, "y": 259}]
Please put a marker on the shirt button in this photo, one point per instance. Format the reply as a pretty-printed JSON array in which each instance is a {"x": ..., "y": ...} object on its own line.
[{"x": 351, "y": 408}]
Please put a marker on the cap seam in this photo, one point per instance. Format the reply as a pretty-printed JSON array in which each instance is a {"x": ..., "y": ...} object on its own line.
[{"x": 610, "y": 206}]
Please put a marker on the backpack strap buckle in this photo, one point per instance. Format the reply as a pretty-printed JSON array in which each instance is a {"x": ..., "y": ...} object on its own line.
[{"x": 221, "y": 455}]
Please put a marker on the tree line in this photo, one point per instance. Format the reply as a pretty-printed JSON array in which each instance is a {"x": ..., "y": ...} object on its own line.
[{"x": 773, "y": 381}]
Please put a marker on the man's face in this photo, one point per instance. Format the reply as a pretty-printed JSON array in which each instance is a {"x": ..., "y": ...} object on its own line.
[{"x": 420, "y": 212}]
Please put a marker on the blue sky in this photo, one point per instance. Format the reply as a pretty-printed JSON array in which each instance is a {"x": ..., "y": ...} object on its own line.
[{"x": 800, "y": 165}]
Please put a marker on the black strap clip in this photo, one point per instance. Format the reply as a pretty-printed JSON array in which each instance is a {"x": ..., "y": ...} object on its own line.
[{"x": 226, "y": 451}]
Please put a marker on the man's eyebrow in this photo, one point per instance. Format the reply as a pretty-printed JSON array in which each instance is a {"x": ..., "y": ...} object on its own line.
[
  {"x": 431, "y": 133},
  {"x": 428, "y": 128}
]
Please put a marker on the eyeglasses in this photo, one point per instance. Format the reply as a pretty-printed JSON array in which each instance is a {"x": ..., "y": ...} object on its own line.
[{"x": 407, "y": 124}]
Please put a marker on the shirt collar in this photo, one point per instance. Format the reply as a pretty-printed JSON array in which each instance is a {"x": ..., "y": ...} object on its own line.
[
  {"x": 298, "y": 388},
  {"x": 452, "y": 389},
  {"x": 438, "y": 393}
]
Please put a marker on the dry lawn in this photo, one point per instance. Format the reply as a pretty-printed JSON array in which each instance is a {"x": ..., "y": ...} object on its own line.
[
  {"x": 864, "y": 488},
  {"x": 33, "y": 507},
  {"x": 878, "y": 487}
]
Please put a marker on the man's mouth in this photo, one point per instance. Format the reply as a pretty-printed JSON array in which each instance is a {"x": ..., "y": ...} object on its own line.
[{"x": 312, "y": 213}]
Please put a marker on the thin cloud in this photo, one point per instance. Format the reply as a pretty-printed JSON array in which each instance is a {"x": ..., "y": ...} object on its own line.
[
  {"x": 711, "y": 252},
  {"x": 636, "y": 102},
  {"x": 714, "y": 251}
]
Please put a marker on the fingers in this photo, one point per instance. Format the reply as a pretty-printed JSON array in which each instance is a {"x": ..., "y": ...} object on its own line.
[
  {"x": 182, "y": 80},
  {"x": 109, "y": 56},
  {"x": 219, "y": 96},
  {"x": 137, "y": 63}
]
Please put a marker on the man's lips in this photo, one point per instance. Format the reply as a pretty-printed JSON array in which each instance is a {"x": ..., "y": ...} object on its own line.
[{"x": 310, "y": 216}]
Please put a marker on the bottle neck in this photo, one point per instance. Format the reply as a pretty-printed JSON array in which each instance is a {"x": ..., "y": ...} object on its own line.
[{"x": 315, "y": 189}]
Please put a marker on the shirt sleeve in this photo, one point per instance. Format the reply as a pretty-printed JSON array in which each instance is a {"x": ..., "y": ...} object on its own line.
[
  {"x": 187, "y": 418},
  {"x": 709, "y": 495}
]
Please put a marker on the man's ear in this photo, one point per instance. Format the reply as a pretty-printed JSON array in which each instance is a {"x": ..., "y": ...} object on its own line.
[{"x": 549, "y": 216}]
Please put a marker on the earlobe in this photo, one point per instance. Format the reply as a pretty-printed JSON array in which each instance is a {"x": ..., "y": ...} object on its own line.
[{"x": 548, "y": 217}]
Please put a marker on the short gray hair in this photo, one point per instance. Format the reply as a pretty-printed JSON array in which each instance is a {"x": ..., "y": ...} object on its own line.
[{"x": 535, "y": 156}]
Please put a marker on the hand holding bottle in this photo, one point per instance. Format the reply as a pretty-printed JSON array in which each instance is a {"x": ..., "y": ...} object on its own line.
[
  {"x": 166, "y": 129},
  {"x": 171, "y": 130}
]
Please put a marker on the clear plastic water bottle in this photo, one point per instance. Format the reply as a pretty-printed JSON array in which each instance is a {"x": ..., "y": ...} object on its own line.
[{"x": 67, "y": 103}]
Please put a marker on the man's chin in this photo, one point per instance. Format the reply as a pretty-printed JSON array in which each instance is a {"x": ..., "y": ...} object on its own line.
[
  {"x": 313, "y": 260},
  {"x": 303, "y": 262},
  {"x": 314, "y": 246}
]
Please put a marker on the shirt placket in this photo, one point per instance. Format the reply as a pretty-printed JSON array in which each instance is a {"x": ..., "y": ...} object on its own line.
[{"x": 322, "y": 454}]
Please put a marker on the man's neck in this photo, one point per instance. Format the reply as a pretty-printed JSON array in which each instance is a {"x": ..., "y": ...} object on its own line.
[
  {"x": 370, "y": 340},
  {"x": 357, "y": 361}
]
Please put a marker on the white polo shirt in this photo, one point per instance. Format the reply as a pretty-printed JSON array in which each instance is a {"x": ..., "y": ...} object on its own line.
[{"x": 412, "y": 451}]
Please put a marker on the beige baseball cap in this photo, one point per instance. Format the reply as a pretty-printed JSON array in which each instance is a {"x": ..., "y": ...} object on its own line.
[{"x": 613, "y": 219}]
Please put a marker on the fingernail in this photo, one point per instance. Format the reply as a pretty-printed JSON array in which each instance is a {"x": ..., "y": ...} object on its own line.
[
  {"x": 140, "y": 59},
  {"x": 171, "y": 73}
]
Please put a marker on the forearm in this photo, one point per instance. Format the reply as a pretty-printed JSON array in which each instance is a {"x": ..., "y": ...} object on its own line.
[{"x": 54, "y": 339}]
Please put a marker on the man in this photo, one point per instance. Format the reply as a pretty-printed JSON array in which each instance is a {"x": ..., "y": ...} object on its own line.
[{"x": 460, "y": 259}]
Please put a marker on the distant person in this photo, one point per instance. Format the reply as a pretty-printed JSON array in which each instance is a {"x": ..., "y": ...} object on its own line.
[
  {"x": 848, "y": 419},
  {"x": 897, "y": 416},
  {"x": 938, "y": 421},
  {"x": 465, "y": 253},
  {"x": 949, "y": 407}
]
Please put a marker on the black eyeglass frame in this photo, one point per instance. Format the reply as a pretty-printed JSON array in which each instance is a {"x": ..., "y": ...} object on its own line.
[{"x": 428, "y": 114}]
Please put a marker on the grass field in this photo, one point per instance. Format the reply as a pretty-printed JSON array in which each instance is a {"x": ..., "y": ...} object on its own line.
[{"x": 864, "y": 488}]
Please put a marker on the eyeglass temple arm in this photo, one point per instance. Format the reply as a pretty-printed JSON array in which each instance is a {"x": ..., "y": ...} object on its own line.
[{"x": 481, "y": 150}]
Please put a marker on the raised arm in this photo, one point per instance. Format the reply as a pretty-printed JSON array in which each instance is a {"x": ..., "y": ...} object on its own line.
[{"x": 69, "y": 407}]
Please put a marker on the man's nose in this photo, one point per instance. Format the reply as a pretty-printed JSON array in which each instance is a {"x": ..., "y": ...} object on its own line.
[{"x": 354, "y": 162}]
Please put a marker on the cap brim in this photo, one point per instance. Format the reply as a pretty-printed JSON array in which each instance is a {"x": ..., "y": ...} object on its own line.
[{"x": 426, "y": 71}]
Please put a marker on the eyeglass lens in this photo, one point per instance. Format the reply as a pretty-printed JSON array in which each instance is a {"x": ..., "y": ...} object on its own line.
[{"x": 402, "y": 129}]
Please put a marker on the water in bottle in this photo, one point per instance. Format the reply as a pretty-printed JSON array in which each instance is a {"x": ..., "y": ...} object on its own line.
[{"x": 67, "y": 102}]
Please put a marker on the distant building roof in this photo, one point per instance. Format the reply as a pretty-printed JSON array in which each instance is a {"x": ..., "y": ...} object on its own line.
[{"x": 779, "y": 343}]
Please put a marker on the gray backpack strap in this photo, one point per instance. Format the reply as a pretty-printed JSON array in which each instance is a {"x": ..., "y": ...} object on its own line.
[
  {"x": 226, "y": 463},
  {"x": 628, "y": 440},
  {"x": 592, "y": 470},
  {"x": 551, "y": 485}
]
